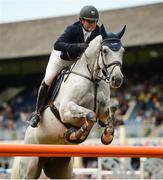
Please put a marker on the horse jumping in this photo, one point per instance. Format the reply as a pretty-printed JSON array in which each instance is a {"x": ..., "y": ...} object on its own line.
[{"x": 82, "y": 101}]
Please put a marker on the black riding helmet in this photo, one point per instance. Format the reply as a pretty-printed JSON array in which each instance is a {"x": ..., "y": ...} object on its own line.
[{"x": 89, "y": 13}]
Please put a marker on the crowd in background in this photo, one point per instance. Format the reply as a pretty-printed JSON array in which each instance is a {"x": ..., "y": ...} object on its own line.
[
  {"x": 147, "y": 96},
  {"x": 15, "y": 113}
]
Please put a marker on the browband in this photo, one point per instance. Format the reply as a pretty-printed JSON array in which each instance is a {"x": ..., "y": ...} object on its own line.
[{"x": 113, "y": 43}]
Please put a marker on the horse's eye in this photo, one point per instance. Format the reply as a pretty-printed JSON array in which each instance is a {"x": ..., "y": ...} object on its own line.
[{"x": 105, "y": 51}]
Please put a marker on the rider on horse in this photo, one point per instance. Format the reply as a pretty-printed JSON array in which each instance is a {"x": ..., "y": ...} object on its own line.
[{"x": 67, "y": 49}]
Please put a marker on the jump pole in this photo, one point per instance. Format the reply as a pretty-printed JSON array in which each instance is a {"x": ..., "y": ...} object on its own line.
[{"x": 10, "y": 150}]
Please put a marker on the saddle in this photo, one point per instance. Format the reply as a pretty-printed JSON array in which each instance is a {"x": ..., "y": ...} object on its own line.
[
  {"x": 55, "y": 87},
  {"x": 53, "y": 92}
]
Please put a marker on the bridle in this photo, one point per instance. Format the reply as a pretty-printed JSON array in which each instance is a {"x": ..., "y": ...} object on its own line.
[
  {"x": 107, "y": 75},
  {"x": 106, "y": 66}
]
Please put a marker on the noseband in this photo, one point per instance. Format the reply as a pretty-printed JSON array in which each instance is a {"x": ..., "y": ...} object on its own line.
[
  {"x": 114, "y": 44},
  {"x": 106, "y": 66}
]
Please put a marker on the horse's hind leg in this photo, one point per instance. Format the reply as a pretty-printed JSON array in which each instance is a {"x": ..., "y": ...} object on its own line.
[
  {"x": 58, "y": 168},
  {"x": 30, "y": 167},
  {"x": 80, "y": 117},
  {"x": 15, "y": 168}
]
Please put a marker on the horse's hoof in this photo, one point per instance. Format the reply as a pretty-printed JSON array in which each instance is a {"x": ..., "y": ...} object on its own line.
[
  {"x": 109, "y": 132},
  {"x": 69, "y": 132}
]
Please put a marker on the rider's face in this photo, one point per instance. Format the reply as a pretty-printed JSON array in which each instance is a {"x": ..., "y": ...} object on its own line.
[{"x": 89, "y": 25}]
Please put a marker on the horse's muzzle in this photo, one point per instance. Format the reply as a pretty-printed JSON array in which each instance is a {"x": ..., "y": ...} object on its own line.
[{"x": 116, "y": 81}]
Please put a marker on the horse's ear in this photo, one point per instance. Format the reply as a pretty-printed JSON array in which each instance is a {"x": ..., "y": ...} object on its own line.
[
  {"x": 103, "y": 32},
  {"x": 120, "y": 34}
]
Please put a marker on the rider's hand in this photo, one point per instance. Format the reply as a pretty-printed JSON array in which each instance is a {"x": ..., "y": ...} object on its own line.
[
  {"x": 78, "y": 47},
  {"x": 82, "y": 46}
]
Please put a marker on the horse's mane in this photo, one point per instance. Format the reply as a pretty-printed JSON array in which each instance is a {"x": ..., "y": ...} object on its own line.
[{"x": 94, "y": 45}]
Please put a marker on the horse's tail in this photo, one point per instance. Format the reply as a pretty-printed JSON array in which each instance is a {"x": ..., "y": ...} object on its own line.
[{"x": 15, "y": 168}]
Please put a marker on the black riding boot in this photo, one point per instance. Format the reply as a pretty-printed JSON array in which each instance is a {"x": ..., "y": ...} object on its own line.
[{"x": 40, "y": 104}]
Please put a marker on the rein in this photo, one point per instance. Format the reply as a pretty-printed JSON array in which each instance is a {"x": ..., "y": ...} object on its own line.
[{"x": 97, "y": 80}]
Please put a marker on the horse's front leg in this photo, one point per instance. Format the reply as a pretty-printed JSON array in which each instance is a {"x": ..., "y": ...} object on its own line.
[
  {"x": 108, "y": 134},
  {"x": 83, "y": 119}
]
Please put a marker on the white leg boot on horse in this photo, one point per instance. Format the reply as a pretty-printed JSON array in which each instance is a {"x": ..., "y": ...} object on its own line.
[
  {"x": 79, "y": 117},
  {"x": 40, "y": 104}
]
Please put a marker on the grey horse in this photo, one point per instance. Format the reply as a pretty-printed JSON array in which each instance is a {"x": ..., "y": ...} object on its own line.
[{"x": 82, "y": 101}]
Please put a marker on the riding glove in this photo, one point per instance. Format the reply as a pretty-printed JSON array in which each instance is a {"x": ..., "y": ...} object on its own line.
[
  {"x": 77, "y": 47},
  {"x": 75, "y": 51},
  {"x": 82, "y": 46}
]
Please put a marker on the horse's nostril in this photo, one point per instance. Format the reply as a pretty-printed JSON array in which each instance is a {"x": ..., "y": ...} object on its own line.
[
  {"x": 113, "y": 78},
  {"x": 117, "y": 80}
]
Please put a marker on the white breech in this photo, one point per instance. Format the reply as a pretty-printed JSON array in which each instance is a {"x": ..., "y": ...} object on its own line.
[{"x": 55, "y": 66}]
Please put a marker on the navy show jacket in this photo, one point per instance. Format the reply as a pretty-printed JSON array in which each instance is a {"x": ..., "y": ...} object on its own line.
[{"x": 67, "y": 42}]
